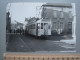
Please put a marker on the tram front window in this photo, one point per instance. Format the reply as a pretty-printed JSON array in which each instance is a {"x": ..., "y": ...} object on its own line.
[
  {"x": 41, "y": 25},
  {"x": 38, "y": 25}
]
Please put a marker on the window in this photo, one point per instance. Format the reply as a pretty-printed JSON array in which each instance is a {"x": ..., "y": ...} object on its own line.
[
  {"x": 70, "y": 25},
  {"x": 46, "y": 26},
  {"x": 54, "y": 25},
  {"x": 33, "y": 26},
  {"x": 70, "y": 14},
  {"x": 61, "y": 25},
  {"x": 55, "y": 14},
  {"x": 49, "y": 26},
  {"x": 69, "y": 28},
  {"x": 44, "y": 13},
  {"x": 61, "y": 14},
  {"x": 38, "y": 25},
  {"x": 41, "y": 25}
]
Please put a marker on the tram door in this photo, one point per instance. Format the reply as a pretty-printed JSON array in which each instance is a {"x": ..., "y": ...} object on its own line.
[{"x": 45, "y": 28}]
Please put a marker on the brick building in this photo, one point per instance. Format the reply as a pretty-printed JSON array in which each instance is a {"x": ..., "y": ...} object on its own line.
[{"x": 60, "y": 15}]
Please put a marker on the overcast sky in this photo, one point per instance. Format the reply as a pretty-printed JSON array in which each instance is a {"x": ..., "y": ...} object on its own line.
[{"x": 18, "y": 11}]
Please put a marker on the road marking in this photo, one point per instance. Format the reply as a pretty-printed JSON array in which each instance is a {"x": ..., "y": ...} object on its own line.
[
  {"x": 28, "y": 46},
  {"x": 22, "y": 41}
]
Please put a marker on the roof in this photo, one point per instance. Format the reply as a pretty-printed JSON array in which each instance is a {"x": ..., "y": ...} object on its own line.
[
  {"x": 57, "y": 5},
  {"x": 39, "y": 21},
  {"x": 20, "y": 23},
  {"x": 43, "y": 20}
]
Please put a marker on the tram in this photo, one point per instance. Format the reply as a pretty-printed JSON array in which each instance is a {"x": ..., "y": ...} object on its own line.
[{"x": 39, "y": 28}]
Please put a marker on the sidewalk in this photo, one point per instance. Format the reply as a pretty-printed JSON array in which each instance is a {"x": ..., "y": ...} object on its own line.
[
  {"x": 69, "y": 44},
  {"x": 69, "y": 41}
]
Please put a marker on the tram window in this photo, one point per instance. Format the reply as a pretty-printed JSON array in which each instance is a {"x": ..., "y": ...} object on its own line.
[
  {"x": 41, "y": 25},
  {"x": 30, "y": 26},
  {"x": 33, "y": 26},
  {"x": 48, "y": 26},
  {"x": 45, "y": 23},
  {"x": 38, "y": 25}
]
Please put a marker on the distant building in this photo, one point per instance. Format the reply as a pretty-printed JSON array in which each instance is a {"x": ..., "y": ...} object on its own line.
[
  {"x": 13, "y": 27},
  {"x": 60, "y": 15},
  {"x": 17, "y": 25},
  {"x": 8, "y": 22},
  {"x": 30, "y": 20}
]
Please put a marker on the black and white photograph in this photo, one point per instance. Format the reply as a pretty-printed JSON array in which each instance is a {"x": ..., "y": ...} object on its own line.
[{"x": 40, "y": 27}]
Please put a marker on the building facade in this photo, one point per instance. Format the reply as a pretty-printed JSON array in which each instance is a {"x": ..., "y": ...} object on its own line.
[
  {"x": 17, "y": 26},
  {"x": 61, "y": 17},
  {"x": 8, "y": 22}
]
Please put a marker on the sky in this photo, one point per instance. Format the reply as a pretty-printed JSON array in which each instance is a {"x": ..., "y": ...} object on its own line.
[{"x": 20, "y": 11}]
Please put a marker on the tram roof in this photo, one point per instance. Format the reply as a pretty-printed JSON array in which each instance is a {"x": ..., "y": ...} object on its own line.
[{"x": 39, "y": 20}]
